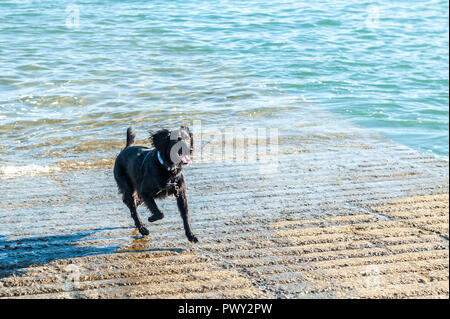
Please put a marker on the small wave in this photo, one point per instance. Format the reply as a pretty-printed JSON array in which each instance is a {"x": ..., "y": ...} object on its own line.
[{"x": 9, "y": 171}]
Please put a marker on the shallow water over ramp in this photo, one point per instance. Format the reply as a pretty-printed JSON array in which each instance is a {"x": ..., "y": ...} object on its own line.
[{"x": 343, "y": 215}]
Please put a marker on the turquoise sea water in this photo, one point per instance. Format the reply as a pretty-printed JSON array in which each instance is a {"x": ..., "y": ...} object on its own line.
[{"x": 73, "y": 72}]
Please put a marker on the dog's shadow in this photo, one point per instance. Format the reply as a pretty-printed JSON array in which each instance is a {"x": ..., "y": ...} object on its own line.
[{"x": 16, "y": 255}]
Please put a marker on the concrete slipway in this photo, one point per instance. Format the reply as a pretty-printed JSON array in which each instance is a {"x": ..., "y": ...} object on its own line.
[{"x": 344, "y": 214}]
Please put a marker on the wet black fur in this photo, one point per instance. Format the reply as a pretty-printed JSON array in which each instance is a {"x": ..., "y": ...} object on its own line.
[{"x": 141, "y": 178}]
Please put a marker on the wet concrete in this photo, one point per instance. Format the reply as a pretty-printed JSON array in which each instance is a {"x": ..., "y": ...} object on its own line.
[{"x": 345, "y": 214}]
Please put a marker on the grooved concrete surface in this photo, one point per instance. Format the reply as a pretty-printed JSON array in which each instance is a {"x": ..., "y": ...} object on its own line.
[{"x": 343, "y": 215}]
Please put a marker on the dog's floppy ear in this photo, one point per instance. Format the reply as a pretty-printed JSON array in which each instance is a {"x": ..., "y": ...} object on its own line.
[{"x": 160, "y": 139}]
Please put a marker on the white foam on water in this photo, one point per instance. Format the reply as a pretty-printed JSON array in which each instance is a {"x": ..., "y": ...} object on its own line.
[{"x": 8, "y": 171}]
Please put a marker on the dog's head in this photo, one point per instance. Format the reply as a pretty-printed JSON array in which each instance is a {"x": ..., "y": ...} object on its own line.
[{"x": 175, "y": 146}]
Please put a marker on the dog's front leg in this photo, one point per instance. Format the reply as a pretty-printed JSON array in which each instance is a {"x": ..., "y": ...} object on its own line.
[
  {"x": 184, "y": 210},
  {"x": 150, "y": 203}
]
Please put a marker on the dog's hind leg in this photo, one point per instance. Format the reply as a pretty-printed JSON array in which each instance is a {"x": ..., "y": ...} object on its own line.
[
  {"x": 184, "y": 210},
  {"x": 124, "y": 185},
  {"x": 129, "y": 200},
  {"x": 156, "y": 213}
]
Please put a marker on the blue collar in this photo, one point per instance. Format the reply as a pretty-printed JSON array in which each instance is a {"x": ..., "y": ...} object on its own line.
[{"x": 160, "y": 159}]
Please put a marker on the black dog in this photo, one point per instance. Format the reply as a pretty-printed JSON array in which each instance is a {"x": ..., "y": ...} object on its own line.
[{"x": 143, "y": 174}]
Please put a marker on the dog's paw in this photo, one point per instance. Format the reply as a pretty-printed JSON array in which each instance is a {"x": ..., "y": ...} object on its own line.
[
  {"x": 193, "y": 239},
  {"x": 144, "y": 231},
  {"x": 154, "y": 218}
]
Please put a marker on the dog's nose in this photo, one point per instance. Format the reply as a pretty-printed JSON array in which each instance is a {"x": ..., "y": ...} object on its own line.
[{"x": 179, "y": 138}]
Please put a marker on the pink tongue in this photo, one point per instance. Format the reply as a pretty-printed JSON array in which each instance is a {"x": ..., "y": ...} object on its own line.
[{"x": 185, "y": 159}]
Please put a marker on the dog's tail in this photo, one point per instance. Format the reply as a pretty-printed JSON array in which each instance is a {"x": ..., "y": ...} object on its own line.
[{"x": 131, "y": 137}]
